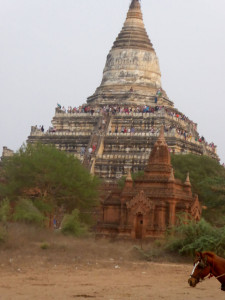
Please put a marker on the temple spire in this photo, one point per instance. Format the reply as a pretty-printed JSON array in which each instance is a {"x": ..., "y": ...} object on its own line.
[
  {"x": 133, "y": 34},
  {"x": 129, "y": 177},
  {"x": 171, "y": 175},
  {"x": 187, "y": 182},
  {"x": 129, "y": 180},
  {"x": 161, "y": 138}
]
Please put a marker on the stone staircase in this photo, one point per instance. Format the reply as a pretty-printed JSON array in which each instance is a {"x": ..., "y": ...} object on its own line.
[{"x": 97, "y": 141}]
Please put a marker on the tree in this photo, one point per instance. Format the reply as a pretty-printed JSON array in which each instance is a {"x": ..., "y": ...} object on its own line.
[
  {"x": 50, "y": 177},
  {"x": 207, "y": 177},
  {"x": 190, "y": 236}
]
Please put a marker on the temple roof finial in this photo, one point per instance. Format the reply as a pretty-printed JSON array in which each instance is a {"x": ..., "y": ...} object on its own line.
[
  {"x": 129, "y": 177},
  {"x": 161, "y": 138},
  {"x": 187, "y": 182},
  {"x": 171, "y": 178}
]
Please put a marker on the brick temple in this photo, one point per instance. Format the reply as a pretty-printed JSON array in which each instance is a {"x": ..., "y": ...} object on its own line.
[
  {"x": 147, "y": 206},
  {"x": 117, "y": 127}
]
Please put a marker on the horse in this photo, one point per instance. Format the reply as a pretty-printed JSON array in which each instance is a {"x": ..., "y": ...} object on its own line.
[{"x": 207, "y": 264}]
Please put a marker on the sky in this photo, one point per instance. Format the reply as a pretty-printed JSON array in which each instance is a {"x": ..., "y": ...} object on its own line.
[{"x": 54, "y": 51}]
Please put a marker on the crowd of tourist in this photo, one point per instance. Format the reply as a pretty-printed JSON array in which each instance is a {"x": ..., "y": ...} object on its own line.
[
  {"x": 116, "y": 109},
  {"x": 113, "y": 109},
  {"x": 152, "y": 130},
  {"x": 167, "y": 128}
]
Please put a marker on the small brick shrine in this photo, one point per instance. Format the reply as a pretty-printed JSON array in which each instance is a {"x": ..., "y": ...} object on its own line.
[{"x": 145, "y": 207}]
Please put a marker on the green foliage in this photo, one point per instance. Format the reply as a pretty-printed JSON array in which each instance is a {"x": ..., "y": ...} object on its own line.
[
  {"x": 189, "y": 236},
  {"x": 3, "y": 234},
  {"x": 42, "y": 206},
  {"x": 25, "y": 211},
  {"x": 4, "y": 210},
  {"x": 72, "y": 224},
  {"x": 4, "y": 217},
  {"x": 121, "y": 182},
  {"x": 50, "y": 177},
  {"x": 44, "y": 246},
  {"x": 207, "y": 177},
  {"x": 137, "y": 175}
]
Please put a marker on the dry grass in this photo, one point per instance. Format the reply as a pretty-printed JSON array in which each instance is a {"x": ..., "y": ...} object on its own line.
[{"x": 27, "y": 244}]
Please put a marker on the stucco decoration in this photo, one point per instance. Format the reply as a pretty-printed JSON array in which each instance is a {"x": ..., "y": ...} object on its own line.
[
  {"x": 140, "y": 204},
  {"x": 196, "y": 209}
]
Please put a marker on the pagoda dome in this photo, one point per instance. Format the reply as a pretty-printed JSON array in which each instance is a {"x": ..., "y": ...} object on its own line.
[{"x": 131, "y": 66}]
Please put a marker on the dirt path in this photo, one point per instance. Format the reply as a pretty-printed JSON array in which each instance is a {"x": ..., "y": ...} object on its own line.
[
  {"x": 103, "y": 280},
  {"x": 72, "y": 268}
]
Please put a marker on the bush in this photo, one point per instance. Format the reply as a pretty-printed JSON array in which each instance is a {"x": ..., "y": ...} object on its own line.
[
  {"x": 189, "y": 237},
  {"x": 3, "y": 234},
  {"x": 44, "y": 246},
  {"x": 207, "y": 178},
  {"x": 72, "y": 225},
  {"x": 25, "y": 211},
  {"x": 4, "y": 210}
]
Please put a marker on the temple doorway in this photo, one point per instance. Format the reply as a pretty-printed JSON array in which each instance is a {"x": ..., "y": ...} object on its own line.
[{"x": 139, "y": 226}]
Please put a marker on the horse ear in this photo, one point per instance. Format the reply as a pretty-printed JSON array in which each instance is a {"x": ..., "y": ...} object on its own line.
[{"x": 198, "y": 253}]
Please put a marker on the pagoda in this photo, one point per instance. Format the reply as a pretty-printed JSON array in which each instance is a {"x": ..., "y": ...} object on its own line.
[
  {"x": 146, "y": 206},
  {"x": 117, "y": 127}
]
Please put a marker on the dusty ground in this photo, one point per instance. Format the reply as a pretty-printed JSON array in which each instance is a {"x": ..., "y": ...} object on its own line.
[{"x": 82, "y": 269}]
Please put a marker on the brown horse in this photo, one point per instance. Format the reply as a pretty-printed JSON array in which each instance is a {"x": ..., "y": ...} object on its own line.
[{"x": 207, "y": 263}]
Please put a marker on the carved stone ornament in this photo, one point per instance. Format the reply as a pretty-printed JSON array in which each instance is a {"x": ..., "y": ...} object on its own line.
[
  {"x": 140, "y": 204},
  {"x": 196, "y": 209}
]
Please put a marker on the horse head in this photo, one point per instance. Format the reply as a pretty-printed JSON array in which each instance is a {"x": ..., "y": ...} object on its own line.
[{"x": 201, "y": 268}]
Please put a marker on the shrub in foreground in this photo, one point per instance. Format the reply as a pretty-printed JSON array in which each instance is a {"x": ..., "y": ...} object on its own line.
[
  {"x": 3, "y": 234},
  {"x": 25, "y": 211},
  {"x": 5, "y": 210},
  {"x": 44, "y": 246},
  {"x": 191, "y": 236},
  {"x": 72, "y": 225}
]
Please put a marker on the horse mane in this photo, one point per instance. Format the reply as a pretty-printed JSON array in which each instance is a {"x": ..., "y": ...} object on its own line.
[
  {"x": 213, "y": 256},
  {"x": 209, "y": 253}
]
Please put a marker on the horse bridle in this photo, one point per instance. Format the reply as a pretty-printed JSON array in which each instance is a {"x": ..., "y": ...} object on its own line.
[{"x": 203, "y": 264}]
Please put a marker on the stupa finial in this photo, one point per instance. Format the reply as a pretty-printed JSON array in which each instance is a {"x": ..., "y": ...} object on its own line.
[{"x": 135, "y": 4}]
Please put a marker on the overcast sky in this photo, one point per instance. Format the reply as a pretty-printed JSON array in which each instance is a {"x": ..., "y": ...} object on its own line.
[{"x": 55, "y": 51}]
